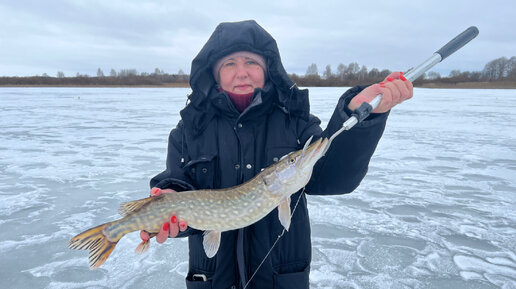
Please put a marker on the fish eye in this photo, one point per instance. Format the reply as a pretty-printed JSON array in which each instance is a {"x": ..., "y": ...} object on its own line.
[{"x": 292, "y": 160}]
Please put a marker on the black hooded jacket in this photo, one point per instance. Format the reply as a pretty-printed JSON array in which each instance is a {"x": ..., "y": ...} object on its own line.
[{"x": 214, "y": 146}]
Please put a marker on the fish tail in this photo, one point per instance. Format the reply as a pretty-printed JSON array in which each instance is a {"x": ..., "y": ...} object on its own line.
[{"x": 99, "y": 245}]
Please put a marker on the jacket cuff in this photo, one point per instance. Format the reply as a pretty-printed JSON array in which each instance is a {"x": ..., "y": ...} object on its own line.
[
  {"x": 345, "y": 113},
  {"x": 175, "y": 184},
  {"x": 188, "y": 232}
]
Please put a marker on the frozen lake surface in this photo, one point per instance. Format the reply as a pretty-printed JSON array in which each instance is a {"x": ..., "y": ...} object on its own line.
[{"x": 436, "y": 210}]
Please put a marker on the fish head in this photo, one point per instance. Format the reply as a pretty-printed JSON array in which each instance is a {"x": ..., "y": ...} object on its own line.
[{"x": 296, "y": 167}]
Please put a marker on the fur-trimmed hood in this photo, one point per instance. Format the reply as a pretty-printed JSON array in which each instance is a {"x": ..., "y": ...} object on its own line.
[{"x": 230, "y": 37}]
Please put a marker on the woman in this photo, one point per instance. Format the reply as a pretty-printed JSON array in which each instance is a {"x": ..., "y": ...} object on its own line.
[{"x": 244, "y": 114}]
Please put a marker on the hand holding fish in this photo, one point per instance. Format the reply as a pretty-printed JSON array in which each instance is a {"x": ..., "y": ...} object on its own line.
[
  {"x": 395, "y": 89},
  {"x": 168, "y": 229}
]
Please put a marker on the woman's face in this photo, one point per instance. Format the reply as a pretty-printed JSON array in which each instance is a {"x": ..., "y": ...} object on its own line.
[{"x": 241, "y": 75}]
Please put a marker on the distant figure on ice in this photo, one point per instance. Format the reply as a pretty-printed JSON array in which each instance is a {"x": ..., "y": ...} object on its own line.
[{"x": 244, "y": 114}]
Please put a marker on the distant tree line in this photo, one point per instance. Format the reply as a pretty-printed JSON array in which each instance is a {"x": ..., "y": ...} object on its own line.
[
  {"x": 122, "y": 77},
  {"x": 502, "y": 69},
  {"x": 346, "y": 75}
]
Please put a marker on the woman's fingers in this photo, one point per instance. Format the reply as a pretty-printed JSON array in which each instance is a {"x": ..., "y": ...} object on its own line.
[
  {"x": 174, "y": 227},
  {"x": 154, "y": 192},
  {"x": 409, "y": 86},
  {"x": 162, "y": 236},
  {"x": 395, "y": 89},
  {"x": 183, "y": 225},
  {"x": 144, "y": 236},
  {"x": 170, "y": 229}
]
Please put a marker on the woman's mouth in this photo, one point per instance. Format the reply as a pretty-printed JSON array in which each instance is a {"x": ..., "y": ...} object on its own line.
[{"x": 243, "y": 88}]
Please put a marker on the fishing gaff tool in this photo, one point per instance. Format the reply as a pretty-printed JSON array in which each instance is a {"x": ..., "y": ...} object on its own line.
[{"x": 412, "y": 74}]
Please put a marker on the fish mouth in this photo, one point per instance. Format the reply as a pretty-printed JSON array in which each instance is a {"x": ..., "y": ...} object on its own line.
[
  {"x": 321, "y": 149},
  {"x": 315, "y": 152}
]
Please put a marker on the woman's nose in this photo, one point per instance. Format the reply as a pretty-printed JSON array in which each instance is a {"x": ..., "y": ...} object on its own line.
[{"x": 241, "y": 70}]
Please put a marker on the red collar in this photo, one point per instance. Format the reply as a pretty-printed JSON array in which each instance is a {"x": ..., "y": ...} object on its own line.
[{"x": 241, "y": 101}]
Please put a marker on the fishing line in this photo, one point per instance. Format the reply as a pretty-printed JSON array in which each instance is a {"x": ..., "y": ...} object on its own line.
[{"x": 275, "y": 242}]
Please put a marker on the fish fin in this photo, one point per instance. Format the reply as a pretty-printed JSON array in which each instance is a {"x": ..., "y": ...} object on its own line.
[
  {"x": 211, "y": 243},
  {"x": 142, "y": 248},
  {"x": 129, "y": 207},
  {"x": 144, "y": 245},
  {"x": 99, "y": 245},
  {"x": 284, "y": 213}
]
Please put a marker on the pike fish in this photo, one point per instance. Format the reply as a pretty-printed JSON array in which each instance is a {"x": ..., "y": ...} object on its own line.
[{"x": 213, "y": 211}]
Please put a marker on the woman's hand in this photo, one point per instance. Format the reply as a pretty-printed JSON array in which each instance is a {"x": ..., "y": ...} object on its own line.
[
  {"x": 394, "y": 89},
  {"x": 168, "y": 229}
]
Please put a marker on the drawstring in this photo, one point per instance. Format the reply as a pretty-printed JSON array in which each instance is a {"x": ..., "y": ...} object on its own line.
[
  {"x": 183, "y": 134},
  {"x": 182, "y": 145},
  {"x": 290, "y": 94}
]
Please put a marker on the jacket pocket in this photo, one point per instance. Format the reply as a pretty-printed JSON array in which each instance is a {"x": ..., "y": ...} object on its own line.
[
  {"x": 198, "y": 284},
  {"x": 202, "y": 171},
  {"x": 298, "y": 280}
]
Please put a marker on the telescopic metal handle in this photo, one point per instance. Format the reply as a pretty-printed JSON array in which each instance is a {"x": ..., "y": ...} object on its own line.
[
  {"x": 412, "y": 74},
  {"x": 449, "y": 48}
]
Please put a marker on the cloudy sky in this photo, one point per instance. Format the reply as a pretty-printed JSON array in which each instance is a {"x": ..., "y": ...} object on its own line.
[{"x": 80, "y": 36}]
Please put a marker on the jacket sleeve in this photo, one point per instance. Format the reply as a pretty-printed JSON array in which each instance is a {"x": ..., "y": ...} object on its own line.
[
  {"x": 173, "y": 177},
  {"x": 346, "y": 162}
]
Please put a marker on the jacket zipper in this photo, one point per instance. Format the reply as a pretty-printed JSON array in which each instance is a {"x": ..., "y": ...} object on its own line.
[{"x": 240, "y": 251}]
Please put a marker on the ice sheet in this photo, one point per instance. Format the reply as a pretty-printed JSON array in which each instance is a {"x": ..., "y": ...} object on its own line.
[{"x": 436, "y": 210}]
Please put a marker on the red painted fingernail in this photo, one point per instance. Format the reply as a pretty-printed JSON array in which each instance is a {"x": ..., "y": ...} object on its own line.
[
  {"x": 165, "y": 227},
  {"x": 182, "y": 224},
  {"x": 382, "y": 85},
  {"x": 173, "y": 219},
  {"x": 390, "y": 78},
  {"x": 403, "y": 77}
]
